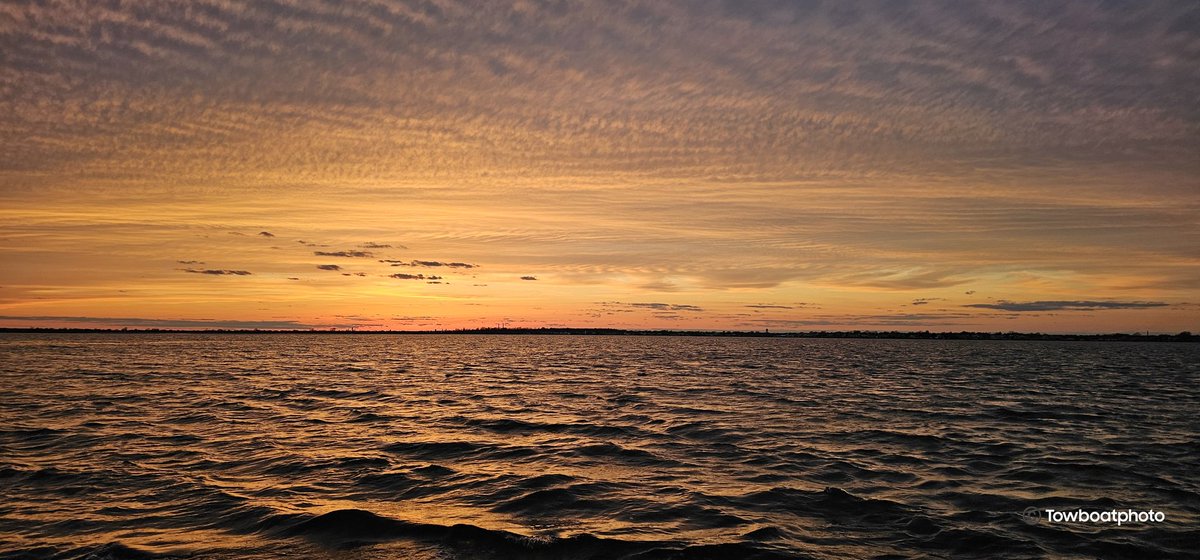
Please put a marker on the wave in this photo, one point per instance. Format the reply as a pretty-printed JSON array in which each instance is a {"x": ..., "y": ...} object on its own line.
[
  {"x": 511, "y": 425},
  {"x": 834, "y": 449},
  {"x": 353, "y": 527}
]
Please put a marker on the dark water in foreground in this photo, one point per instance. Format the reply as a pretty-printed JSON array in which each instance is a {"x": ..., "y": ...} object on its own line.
[{"x": 364, "y": 446}]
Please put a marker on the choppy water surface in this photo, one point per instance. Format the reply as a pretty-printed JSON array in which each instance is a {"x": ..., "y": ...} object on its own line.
[{"x": 380, "y": 446}]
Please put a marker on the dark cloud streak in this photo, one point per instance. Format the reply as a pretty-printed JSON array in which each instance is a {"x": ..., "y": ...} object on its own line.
[
  {"x": 1077, "y": 305},
  {"x": 429, "y": 264},
  {"x": 348, "y": 254},
  {"x": 217, "y": 271}
]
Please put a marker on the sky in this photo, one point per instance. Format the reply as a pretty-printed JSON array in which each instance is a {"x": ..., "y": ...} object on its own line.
[{"x": 748, "y": 165}]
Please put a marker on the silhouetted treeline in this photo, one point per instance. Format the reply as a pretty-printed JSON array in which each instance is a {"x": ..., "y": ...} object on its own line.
[{"x": 924, "y": 335}]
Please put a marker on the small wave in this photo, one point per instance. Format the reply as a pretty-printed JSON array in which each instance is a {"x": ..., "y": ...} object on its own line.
[
  {"x": 634, "y": 456},
  {"x": 434, "y": 470},
  {"x": 554, "y": 499},
  {"x": 981, "y": 543},
  {"x": 902, "y": 439},
  {"x": 108, "y": 551},
  {"x": 435, "y": 449},
  {"x": 704, "y": 431},
  {"x": 297, "y": 466},
  {"x": 831, "y": 503},
  {"x": 391, "y": 481},
  {"x": 350, "y": 527},
  {"x": 512, "y": 425}
]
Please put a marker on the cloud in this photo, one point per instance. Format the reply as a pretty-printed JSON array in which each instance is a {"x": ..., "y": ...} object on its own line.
[
  {"x": 872, "y": 320},
  {"x": 656, "y": 306},
  {"x": 429, "y": 264},
  {"x": 329, "y": 267},
  {"x": 355, "y": 254},
  {"x": 373, "y": 245},
  {"x": 1078, "y": 305},
  {"x": 1035, "y": 149},
  {"x": 161, "y": 323},
  {"x": 901, "y": 280},
  {"x": 660, "y": 286},
  {"x": 190, "y": 262},
  {"x": 748, "y": 277},
  {"x": 529, "y": 277},
  {"x": 925, "y": 301},
  {"x": 217, "y": 271},
  {"x": 403, "y": 276},
  {"x": 769, "y": 306},
  {"x": 266, "y": 234}
]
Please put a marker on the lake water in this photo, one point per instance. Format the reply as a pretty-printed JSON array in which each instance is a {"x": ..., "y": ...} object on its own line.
[{"x": 459, "y": 446}]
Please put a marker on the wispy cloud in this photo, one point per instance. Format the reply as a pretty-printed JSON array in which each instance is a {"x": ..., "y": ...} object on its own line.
[
  {"x": 905, "y": 320},
  {"x": 1078, "y": 305},
  {"x": 655, "y": 306},
  {"x": 776, "y": 306}
]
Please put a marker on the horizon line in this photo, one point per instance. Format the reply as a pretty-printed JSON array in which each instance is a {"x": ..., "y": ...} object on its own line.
[{"x": 1183, "y": 336}]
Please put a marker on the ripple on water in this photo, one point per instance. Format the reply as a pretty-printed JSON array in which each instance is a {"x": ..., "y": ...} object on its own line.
[{"x": 157, "y": 446}]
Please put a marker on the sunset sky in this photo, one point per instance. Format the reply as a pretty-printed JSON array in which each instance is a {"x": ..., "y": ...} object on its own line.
[{"x": 1029, "y": 166}]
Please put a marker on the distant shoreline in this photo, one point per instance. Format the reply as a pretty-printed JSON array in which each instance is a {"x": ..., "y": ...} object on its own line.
[{"x": 917, "y": 335}]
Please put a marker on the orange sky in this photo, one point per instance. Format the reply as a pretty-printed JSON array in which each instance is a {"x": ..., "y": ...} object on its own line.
[{"x": 692, "y": 165}]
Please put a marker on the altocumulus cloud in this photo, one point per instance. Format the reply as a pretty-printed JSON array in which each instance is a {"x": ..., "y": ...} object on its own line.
[
  {"x": 1077, "y": 305},
  {"x": 712, "y": 100}
]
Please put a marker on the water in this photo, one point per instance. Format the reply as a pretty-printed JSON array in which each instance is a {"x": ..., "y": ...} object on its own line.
[{"x": 382, "y": 446}]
